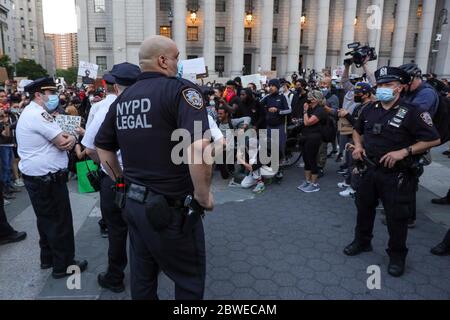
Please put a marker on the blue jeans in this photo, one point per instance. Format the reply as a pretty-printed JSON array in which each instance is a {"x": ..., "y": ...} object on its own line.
[{"x": 6, "y": 158}]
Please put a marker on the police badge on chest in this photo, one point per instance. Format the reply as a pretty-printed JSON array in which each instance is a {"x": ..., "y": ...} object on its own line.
[{"x": 398, "y": 118}]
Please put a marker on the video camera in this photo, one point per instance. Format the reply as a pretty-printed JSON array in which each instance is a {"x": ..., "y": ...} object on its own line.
[{"x": 359, "y": 54}]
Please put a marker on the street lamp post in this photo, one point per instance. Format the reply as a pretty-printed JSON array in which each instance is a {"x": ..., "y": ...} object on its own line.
[{"x": 441, "y": 23}]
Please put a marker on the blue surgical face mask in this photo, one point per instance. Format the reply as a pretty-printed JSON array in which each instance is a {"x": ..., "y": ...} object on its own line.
[
  {"x": 52, "y": 103},
  {"x": 325, "y": 91},
  {"x": 385, "y": 94},
  {"x": 180, "y": 70}
]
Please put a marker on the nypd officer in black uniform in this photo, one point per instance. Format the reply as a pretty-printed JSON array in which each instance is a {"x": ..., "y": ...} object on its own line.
[
  {"x": 164, "y": 234},
  {"x": 387, "y": 136}
]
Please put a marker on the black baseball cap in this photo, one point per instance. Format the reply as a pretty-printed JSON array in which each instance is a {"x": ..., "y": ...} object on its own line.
[{"x": 124, "y": 74}]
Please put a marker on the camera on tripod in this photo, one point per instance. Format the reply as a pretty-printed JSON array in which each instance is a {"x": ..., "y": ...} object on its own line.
[{"x": 359, "y": 54}]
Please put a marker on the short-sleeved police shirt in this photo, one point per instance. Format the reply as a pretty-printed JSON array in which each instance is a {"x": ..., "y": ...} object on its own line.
[
  {"x": 140, "y": 123},
  {"x": 35, "y": 131},
  {"x": 397, "y": 128}
]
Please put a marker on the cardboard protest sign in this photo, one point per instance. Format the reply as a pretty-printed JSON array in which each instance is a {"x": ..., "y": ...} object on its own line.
[
  {"x": 88, "y": 72},
  {"x": 253, "y": 78},
  {"x": 194, "y": 66},
  {"x": 69, "y": 123}
]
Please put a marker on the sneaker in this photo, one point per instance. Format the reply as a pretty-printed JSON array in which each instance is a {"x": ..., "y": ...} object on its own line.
[
  {"x": 6, "y": 202},
  {"x": 249, "y": 182},
  {"x": 303, "y": 185},
  {"x": 349, "y": 192},
  {"x": 343, "y": 185},
  {"x": 411, "y": 224},
  {"x": 446, "y": 153},
  {"x": 19, "y": 183},
  {"x": 321, "y": 173},
  {"x": 234, "y": 184},
  {"x": 342, "y": 171},
  {"x": 279, "y": 175},
  {"x": 260, "y": 187},
  {"x": 312, "y": 188}
]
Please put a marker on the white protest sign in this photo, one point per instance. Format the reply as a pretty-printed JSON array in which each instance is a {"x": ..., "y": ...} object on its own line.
[
  {"x": 23, "y": 84},
  {"x": 194, "y": 66},
  {"x": 253, "y": 78},
  {"x": 68, "y": 123},
  {"x": 88, "y": 70}
]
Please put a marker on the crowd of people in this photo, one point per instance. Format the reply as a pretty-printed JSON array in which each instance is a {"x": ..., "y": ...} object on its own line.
[{"x": 324, "y": 113}]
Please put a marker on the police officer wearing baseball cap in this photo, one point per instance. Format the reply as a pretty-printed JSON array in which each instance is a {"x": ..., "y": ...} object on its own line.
[
  {"x": 118, "y": 80},
  {"x": 387, "y": 135},
  {"x": 165, "y": 235},
  {"x": 43, "y": 147}
]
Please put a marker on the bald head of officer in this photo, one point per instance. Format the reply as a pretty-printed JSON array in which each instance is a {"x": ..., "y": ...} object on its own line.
[{"x": 159, "y": 54}]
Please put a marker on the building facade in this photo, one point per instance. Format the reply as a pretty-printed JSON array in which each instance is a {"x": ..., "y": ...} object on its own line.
[
  {"x": 66, "y": 49},
  {"x": 248, "y": 36},
  {"x": 29, "y": 31},
  {"x": 7, "y": 34}
]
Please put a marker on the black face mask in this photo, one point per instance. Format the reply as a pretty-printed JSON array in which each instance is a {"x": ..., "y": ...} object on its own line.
[
  {"x": 62, "y": 102},
  {"x": 358, "y": 99}
]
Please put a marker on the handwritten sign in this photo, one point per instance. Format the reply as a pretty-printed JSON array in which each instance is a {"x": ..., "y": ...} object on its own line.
[
  {"x": 194, "y": 66},
  {"x": 253, "y": 78},
  {"x": 68, "y": 123},
  {"x": 87, "y": 71}
]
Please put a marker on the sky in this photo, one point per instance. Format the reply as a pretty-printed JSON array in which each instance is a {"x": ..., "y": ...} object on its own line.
[{"x": 60, "y": 16}]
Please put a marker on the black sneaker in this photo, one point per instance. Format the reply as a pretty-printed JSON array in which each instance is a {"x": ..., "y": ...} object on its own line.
[
  {"x": 59, "y": 274},
  {"x": 339, "y": 158},
  {"x": 442, "y": 201},
  {"x": 13, "y": 238},
  {"x": 441, "y": 250},
  {"x": 446, "y": 153},
  {"x": 321, "y": 173},
  {"x": 396, "y": 267},
  {"x": 105, "y": 284}
]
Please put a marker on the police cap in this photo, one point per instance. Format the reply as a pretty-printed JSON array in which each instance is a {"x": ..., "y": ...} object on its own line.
[
  {"x": 41, "y": 84},
  {"x": 363, "y": 87},
  {"x": 390, "y": 74},
  {"x": 124, "y": 74}
]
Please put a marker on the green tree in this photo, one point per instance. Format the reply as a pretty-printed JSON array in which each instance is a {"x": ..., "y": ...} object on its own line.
[
  {"x": 30, "y": 69},
  {"x": 5, "y": 61},
  {"x": 70, "y": 75}
]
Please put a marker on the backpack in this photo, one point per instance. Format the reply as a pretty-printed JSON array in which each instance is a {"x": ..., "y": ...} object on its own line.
[
  {"x": 328, "y": 129},
  {"x": 442, "y": 119}
]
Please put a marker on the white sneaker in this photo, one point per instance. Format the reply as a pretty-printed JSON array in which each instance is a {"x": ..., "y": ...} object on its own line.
[
  {"x": 343, "y": 185},
  {"x": 349, "y": 192},
  {"x": 19, "y": 183},
  {"x": 304, "y": 185},
  {"x": 260, "y": 187},
  {"x": 6, "y": 202},
  {"x": 249, "y": 182}
]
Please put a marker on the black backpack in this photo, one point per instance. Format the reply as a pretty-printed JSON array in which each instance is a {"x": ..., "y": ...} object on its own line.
[
  {"x": 328, "y": 129},
  {"x": 442, "y": 119}
]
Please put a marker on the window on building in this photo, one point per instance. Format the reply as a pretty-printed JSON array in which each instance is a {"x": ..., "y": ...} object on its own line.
[
  {"x": 221, "y": 6},
  {"x": 192, "y": 57},
  {"x": 248, "y": 5},
  {"x": 274, "y": 64},
  {"x": 192, "y": 33},
  {"x": 164, "y": 5},
  {"x": 101, "y": 61},
  {"x": 220, "y": 34},
  {"x": 100, "y": 34},
  {"x": 220, "y": 64},
  {"x": 275, "y": 35},
  {"x": 99, "y": 6},
  {"x": 165, "y": 31},
  {"x": 248, "y": 35},
  {"x": 276, "y": 6}
]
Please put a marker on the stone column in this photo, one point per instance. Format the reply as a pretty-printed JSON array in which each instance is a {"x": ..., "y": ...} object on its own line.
[
  {"x": 294, "y": 34},
  {"x": 82, "y": 35},
  {"x": 266, "y": 28},
  {"x": 425, "y": 34},
  {"x": 321, "y": 46},
  {"x": 400, "y": 32},
  {"x": 179, "y": 26},
  {"x": 374, "y": 24},
  {"x": 209, "y": 44},
  {"x": 348, "y": 29},
  {"x": 119, "y": 31},
  {"x": 237, "y": 53},
  {"x": 443, "y": 57},
  {"x": 149, "y": 18}
]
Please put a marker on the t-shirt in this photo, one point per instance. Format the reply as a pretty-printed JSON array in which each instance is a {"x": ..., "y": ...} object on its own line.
[
  {"x": 321, "y": 114},
  {"x": 35, "y": 131}
]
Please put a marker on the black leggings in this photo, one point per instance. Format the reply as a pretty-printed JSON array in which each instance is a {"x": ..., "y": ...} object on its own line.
[{"x": 310, "y": 152}]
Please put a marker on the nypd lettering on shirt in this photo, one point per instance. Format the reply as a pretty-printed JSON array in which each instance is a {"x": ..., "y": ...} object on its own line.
[{"x": 134, "y": 114}]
